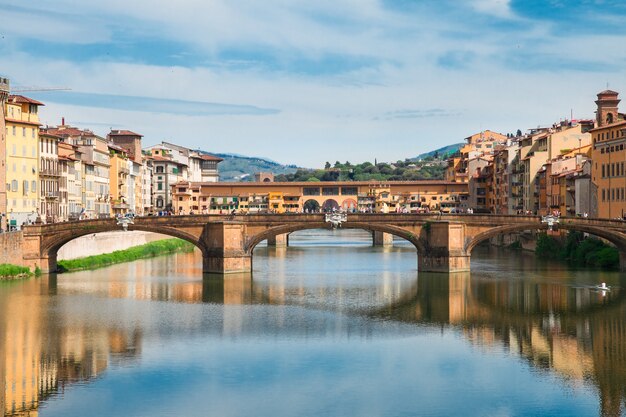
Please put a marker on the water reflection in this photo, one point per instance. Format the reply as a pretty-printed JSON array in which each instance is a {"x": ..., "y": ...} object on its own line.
[{"x": 62, "y": 331}]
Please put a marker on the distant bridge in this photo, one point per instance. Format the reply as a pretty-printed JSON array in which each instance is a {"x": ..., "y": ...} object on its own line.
[{"x": 444, "y": 242}]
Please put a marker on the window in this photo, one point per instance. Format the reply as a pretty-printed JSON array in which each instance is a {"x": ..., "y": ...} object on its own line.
[
  {"x": 34, "y": 186},
  {"x": 159, "y": 169},
  {"x": 24, "y": 132},
  {"x": 349, "y": 190},
  {"x": 159, "y": 186},
  {"x": 14, "y": 185},
  {"x": 311, "y": 191}
]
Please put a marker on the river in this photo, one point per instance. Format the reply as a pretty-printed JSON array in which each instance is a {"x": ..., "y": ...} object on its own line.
[{"x": 330, "y": 326}]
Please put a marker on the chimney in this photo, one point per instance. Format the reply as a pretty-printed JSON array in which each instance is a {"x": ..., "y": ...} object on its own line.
[{"x": 62, "y": 121}]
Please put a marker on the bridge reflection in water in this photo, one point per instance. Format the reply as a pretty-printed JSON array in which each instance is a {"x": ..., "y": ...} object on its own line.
[{"x": 573, "y": 331}]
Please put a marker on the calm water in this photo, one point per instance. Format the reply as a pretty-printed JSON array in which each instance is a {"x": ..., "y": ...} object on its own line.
[{"x": 328, "y": 327}]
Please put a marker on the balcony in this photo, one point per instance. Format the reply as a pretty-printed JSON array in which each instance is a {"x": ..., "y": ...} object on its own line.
[
  {"x": 51, "y": 195},
  {"x": 50, "y": 172}
]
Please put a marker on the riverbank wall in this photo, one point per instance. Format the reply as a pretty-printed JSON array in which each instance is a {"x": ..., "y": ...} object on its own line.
[
  {"x": 106, "y": 242},
  {"x": 11, "y": 244}
]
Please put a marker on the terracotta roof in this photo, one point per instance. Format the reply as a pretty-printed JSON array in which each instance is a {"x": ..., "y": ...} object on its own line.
[
  {"x": 207, "y": 157},
  {"x": 67, "y": 158},
  {"x": 618, "y": 123},
  {"x": 123, "y": 133},
  {"x": 67, "y": 145},
  {"x": 111, "y": 145},
  {"x": 161, "y": 158},
  {"x": 22, "y": 99},
  {"x": 43, "y": 132},
  {"x": 65, "y": 131},
  {"x": 23, "y": 122},
  {"x": 607, "y": 92}
]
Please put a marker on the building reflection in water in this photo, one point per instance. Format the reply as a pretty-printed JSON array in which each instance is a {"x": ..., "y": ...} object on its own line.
[
  {"x": 576, "y": 332},
  {"x": 40, "y": 356}
]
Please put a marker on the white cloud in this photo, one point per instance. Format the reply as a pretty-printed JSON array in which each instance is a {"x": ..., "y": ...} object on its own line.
[
  {"x": 339, "y": 111},
  {"x": 499, "y": 8}
]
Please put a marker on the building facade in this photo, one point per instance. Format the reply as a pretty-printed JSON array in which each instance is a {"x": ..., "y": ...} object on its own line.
[
  {"x": 609, "y": 156},
  {"x": 4, "y": 95},
  {"x": 307, "y": 197},
  {"x": 22, "y": 159},
  {"x": 49, "y": 176}
]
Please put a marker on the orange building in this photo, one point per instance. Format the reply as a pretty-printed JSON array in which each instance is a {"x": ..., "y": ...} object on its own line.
[
  {"x": 478, "y": 144},
  {"x": 352, "y": 196},
  {"x": 609, "y": 156}
]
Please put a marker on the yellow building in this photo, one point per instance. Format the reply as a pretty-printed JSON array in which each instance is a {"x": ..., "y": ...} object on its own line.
[
  {"x": 4, "y": 95},
  {"x": 609, "y": 157},
  {"x": 22, "y": 159},
  {"x": 119, "y": 177}
]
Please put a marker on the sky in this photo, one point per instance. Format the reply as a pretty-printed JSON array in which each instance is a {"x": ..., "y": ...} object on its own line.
[{"x": 304, "y": 82}]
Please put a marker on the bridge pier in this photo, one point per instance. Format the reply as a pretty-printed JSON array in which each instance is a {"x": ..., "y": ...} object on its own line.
[
  {"x": 225, "y": 254},
  {"x": 622, "y": 260},
  {"x": 444, "y": 248},
  {"x": 279, "y": 241},
  {"x": 442, "y": 262},
  {"x": 382, "y": 239}
]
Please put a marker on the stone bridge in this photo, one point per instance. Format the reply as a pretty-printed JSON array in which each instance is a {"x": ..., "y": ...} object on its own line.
[{"x": 444, "y": 243}]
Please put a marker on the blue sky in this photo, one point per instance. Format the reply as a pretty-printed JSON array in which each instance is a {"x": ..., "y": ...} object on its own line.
[{"x": 304, "y": 82}]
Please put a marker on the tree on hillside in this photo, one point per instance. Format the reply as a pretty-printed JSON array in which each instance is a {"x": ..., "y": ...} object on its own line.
[{"x": 327, "y": 165}]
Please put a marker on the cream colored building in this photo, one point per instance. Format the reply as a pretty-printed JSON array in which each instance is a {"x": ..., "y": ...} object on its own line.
[
  {"x": 49, "y": 175},
  {"x": 94, "y": 153}
]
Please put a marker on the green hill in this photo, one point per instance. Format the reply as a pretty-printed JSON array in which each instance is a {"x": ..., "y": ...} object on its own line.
[
  {"x": 242, "y": 168},
  {"x": 442, "y": 153},
  {"x": 428, "y": 165}
]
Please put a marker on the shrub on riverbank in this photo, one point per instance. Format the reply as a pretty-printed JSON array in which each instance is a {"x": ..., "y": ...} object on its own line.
[
  {"x": 578, "y": 251},
  {"x": 8, "y": 271},
  {"x": 149, "y": 250}
]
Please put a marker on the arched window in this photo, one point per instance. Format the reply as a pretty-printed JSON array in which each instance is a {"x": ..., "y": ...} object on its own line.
[{"x": 609, "y": 118}]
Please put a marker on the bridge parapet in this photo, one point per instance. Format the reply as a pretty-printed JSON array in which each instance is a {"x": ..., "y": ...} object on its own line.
[{"x": 444, "y": 242}]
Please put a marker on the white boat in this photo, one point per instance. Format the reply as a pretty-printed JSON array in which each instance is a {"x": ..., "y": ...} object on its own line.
[{"x": 603, "y": 287}]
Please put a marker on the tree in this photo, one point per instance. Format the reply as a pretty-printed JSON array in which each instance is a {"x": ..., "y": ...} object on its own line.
[
  {"x": 327, "y": 165},
  {"x": 519, "y": 133}
]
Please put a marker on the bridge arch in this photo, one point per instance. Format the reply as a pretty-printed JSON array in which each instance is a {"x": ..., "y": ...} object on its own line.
[
  {"x": 253, "y": 241},
  {"x": 50, "y": 247},
  {"x": 311, "y": 206},
  {"x": 616, "y": 238},
  {"x": 330, "y": 205}
]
